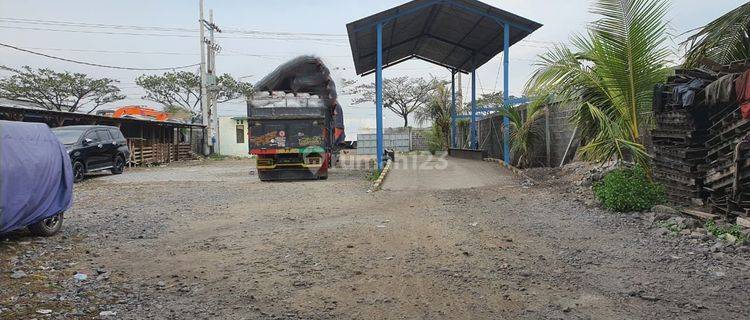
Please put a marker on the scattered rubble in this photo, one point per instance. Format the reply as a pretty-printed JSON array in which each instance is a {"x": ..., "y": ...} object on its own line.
[
  {"x": 578, "y": 178},
  {"x": 18, "y": 275},
  {"x": 536, "y": 247}
]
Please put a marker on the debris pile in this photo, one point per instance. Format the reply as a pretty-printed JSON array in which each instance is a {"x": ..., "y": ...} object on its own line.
[
  {"x": 702, "y": 140},
  {"x": 682, "y": 128},
  {"x": 728, "y": 160}
]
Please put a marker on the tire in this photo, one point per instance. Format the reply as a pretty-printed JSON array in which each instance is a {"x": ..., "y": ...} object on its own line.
[
  {"x": 119, "y": 165},
  {"x": 264, "y": 176},
  {"x": 325, "y": 177},
  {"x": 47, "y": 227},
  {"x": 79, "y": 171}
]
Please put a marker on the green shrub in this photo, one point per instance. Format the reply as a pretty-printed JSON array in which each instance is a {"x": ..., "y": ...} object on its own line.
[
  {"x": 626, "y": 189},
  {"x": 734, "y": 230},
  {"x": 435, "y": 140}
]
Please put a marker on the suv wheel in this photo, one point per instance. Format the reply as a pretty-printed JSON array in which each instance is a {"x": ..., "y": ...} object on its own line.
[
  {"x": 47, "y": 227},
  {"x": 119, "y": 165},
  {"x": 79, "y": 171}
]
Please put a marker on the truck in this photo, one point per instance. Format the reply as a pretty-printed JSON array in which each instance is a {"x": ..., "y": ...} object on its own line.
[{"x": 295, "y": 122}]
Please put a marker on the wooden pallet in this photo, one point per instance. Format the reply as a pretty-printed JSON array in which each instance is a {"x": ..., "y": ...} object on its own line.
[{"x": 146, "y": 153}]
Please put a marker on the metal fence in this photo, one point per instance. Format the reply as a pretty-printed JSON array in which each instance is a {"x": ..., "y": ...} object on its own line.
[
  {"x": 398, "y": 139},
  {"x": 367, "y": 143}
]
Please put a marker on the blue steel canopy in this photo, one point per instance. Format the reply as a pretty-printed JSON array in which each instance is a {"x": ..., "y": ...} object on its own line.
[{"x": 460, "y": 35}]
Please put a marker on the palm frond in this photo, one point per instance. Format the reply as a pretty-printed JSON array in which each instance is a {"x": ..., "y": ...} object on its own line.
[
  {"x": 524, "y": 134},
  {"x": 609, "y": 75},
  {"x": 722, "y": 41}
]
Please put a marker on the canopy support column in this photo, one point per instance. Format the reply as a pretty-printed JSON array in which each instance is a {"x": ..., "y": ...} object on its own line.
[
  {"x": 379, "y": 96},
  {"x": 474, "y": 142},
  {"x": 453, "y": 143},
  {"x": 506, "y": 92}
]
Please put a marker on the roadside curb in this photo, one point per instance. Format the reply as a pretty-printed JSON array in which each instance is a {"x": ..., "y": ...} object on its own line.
[
  {"x": 512, "y": 168},
  {"x": 379, "y": 182}
]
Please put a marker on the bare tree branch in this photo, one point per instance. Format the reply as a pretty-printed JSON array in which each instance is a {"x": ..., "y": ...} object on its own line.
[{"x": 402, "y": 95}]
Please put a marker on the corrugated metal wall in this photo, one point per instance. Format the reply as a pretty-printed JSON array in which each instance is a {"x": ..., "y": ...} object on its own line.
[{"x": 367, "y": 142}]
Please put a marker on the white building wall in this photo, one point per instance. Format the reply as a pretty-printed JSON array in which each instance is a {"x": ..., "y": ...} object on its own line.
[{"x": 230, "y": 130}]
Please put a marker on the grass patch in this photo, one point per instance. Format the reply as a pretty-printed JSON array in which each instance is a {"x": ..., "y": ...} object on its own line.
[
  {"x": 626, "y": 190},
  {"x": 373, "y": 174},
  {"x": 669, "y": 225},
  {"x": 734, "y": 230}
]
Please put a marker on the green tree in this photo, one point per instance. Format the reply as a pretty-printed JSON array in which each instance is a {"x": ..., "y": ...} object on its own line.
[
  {"x": 493, "y": 99},
  {"x": 524, "y": 134},
  {"x": 722, "y": 41},
  {"x": 402, "y": 95},
  {"x": 609, "y": 75},
  {"x": 59, "y": 91},
  {"x": 438, "y": 112},
  {"x": 181, "y": 90}
]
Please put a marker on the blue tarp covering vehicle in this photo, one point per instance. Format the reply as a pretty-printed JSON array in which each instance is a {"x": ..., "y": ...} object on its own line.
[{"x": 36, "y": 178}]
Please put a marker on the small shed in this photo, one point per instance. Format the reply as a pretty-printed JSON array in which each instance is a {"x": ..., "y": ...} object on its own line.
[{"x": 149, "y": 141}]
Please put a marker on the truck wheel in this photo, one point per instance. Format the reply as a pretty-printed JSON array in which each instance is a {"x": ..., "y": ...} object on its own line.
[
  {"x": 264, "y": 176},
  {"x": 119, "y": 165},
  {"x": 79, "y": 171},
  {"x": 323, "y": 177},
  {"x": 47, "y": 227}
]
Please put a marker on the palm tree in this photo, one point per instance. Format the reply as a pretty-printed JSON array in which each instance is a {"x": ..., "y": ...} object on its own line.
[
  {"x": 438, "y": 112},
  {"x": 609, "y": 76},
  {"x": 722, "y": 41},
  {"x": 524, "y": 133}
]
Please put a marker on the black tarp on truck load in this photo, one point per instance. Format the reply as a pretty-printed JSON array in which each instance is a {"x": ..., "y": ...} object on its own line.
[{"x": 305, "y": 76}]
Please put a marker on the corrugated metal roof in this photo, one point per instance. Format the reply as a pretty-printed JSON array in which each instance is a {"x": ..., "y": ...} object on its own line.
[
  {"x": 450, "y": 33},
  {"x": 31, "y": 108}
]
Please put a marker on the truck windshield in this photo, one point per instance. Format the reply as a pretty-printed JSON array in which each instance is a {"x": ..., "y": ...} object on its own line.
[{"x": 68, "y": 136}]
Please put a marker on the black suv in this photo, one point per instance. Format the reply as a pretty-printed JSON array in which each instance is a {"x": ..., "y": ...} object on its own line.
[{"x": 94, "y": 148}]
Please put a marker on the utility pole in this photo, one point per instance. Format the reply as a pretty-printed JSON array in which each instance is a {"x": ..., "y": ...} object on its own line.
[
  {"x": 213, "y": 49},
  {"x": 204, "y": 95},
  {"x": 208, "y": 81}
]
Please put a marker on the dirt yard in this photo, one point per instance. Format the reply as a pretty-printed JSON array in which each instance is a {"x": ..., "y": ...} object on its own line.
[{"x": 469, "y": 241}]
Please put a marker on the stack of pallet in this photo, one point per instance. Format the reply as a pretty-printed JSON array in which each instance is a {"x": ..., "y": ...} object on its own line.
[
  {"x": 145, "y": 152},
  {"x": 680, "y": 135},
  {"x": 728, "y": 159}
]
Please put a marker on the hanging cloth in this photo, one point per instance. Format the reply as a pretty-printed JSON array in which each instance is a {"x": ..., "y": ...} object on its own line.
[
  {"x": 721, "y": 90},
  {"x": 684, "y": 94},
  {"x": 742, "y": 87},
  {"x": 745, "y": 110}
]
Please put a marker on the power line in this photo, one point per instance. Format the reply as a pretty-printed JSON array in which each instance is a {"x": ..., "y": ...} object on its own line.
[
  {"x": 231, "y": 53},
  {"x": 96, "y": 64},
  {"x": 93, "y": 25},
  {"x": 248, "y": 36},
  {"x": 159, "y": 28},
  {"x": 114, "y": 51},
  {"x": 190, "y": 30}
]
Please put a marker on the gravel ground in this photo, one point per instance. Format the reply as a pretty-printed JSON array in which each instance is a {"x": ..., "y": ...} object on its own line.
[{"x": 206, "y": 240}]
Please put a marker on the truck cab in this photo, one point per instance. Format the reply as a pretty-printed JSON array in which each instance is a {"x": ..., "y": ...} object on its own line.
[
  {"x": 288, "y": 133},
  {"x": 295, "y": 122}
]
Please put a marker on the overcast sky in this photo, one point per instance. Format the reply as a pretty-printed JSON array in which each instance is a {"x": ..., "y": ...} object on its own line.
[{"x": 34, "y": 25}]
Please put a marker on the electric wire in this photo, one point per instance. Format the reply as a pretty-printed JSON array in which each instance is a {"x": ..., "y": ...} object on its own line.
[{"x": 96, "y": 64}]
